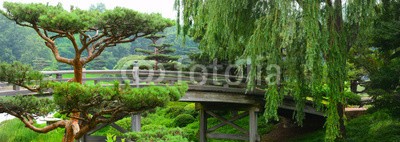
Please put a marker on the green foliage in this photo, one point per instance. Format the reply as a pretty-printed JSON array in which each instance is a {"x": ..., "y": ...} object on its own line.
[
  {"x": 308, "y": 40},
  {"x": 191, "y": 109},
  {"x": 378, "y": 126},
  {"x": 387, "y": 77},
  {"x": 171, "y": 37},
  {"x": 61, "y": 116},
  {"x": 162, "y": 58},
  {"x": 55, "y": 17},
  {"x": 75, "y": 96},
  {"x": 160, "y": 53},
  {"x": 183, "y": 119},
  {"x": 352, "y": 98},
  {"x": 92, "y": 101},
  {"x": 20, "y": 48},
  {"x": 385, "y": 73},
  {"x": 158, "y": 133},
  {"x": 22, "y": 105},
  {"x": 20, "y": 74},
  {"x": 15, "y": 131},
  {"x": 386, "y": 101},
  {"x": 127, "y": 62},
  {"x": 111, "y": 138},
  {"x": 147, "y": 23},
  {"x": 89, "y": 31}
]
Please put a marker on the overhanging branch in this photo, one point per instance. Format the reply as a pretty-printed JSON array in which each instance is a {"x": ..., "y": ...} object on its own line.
[{"x": 28, "y": 124}]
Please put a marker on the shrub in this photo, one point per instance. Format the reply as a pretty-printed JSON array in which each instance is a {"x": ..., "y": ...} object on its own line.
[
  {"x": 379, "y": 126},
  {"x": 389, "y": 102},
  {"x": 352, "y": 98},
  {"x": 158, "y": 133},
  {"x": 174, "y": 111},
  {"x": 61, "y": 116},
  {"x": 183, "y": 120},
  {"x": 190, "y": 109}
]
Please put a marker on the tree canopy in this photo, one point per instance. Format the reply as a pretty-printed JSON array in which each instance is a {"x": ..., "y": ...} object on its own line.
[
  {"x": 90, "y": 33},
  {"x": 96, "y": 30},
  {"x": 160, "y": 52},
  {"x": 308, "y": 39}
]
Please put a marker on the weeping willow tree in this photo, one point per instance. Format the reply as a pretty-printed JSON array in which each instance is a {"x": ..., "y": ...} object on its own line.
[{"x": 308, "y": 39}]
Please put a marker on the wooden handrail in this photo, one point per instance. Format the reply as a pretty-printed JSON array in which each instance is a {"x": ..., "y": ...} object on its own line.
[{"x": 156, "y": 76}]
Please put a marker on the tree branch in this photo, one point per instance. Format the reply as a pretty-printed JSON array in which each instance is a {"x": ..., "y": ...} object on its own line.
[
  {"x": 59, "y": 124},
  {"x": 130, "y": 40},
  {"x": 83, "y": 38},
  {"x": 73, "y": 41},
  {"x": 47, "y": 39},
  {"x": 100, "y": 48},
  {"x": 51, "y": 45},
  {"x": 56, "y": 54}
]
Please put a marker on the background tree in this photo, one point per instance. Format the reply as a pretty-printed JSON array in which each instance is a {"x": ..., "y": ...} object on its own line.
[
  {"x": 89, "y": 32},
  {"x": 308, "y": 39},
  {"x": 384, "y": 83},
  {"x": 16, "y": 41},
  {"x": 159, "y": 53}
]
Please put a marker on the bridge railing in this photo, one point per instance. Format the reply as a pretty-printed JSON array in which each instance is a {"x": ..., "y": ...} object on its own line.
[{"x": 159, "y": 77}]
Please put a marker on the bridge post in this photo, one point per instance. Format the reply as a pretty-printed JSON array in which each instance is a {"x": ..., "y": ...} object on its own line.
[
  {"x": 135, "y": 122},
  {"x": 16, "y": 87},
  {"x": 58, "y": 77},
  {"x": 203, "y": 124},
  {"x": 136, "y": 118},
  {"x": 83, "y": 76},
  {"x": 253, "y": 137}
]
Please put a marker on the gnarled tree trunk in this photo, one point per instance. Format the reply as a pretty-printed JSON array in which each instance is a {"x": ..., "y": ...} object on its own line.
[{"x": 72, "y": 127}]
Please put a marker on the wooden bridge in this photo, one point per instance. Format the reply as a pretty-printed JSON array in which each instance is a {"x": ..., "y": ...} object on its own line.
[{"x": 210, "y": 92}]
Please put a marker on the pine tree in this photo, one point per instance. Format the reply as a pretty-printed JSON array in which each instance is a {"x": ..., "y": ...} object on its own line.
[
  {"x": 160, "y": 54},
  {"x": 90, "y": 32}
]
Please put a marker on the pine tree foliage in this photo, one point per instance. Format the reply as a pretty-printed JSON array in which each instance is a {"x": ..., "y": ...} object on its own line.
[
  {"x": 90, "y": 32},
  {"x": 308, "y": 39},
  {"x": 97, "y": 104},
  {"x": 160, "y": 52}
]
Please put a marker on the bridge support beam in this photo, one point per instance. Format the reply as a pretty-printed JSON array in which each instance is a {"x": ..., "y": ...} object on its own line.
[{"x": 219, "y": 111}]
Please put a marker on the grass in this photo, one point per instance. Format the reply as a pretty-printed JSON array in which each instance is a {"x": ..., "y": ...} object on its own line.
[
  {"x": 14, "y": 131},
  {"x": 87, "y": 75},
  {"x": 69, "y": 76}
]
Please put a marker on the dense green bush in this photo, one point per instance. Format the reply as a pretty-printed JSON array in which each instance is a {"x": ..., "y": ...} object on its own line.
[
  {"x": 183, "y": 119},
  {"x": 379, "y": 126},
  {"x": 388, "y": 102},
  {"x": 158, "y": 133},
  {"x": 352, "y": 98},
  {"x": 191, "y": 109},
  {"x": 174, "y": 111}
]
